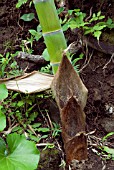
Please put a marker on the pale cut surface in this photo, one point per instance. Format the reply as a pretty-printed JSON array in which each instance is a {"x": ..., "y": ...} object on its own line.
[{"x": 30, "y": 83}]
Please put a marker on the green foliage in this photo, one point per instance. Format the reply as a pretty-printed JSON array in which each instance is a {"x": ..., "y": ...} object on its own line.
[
  {"x": 24, "y": 45},
  {"x": 75, "y": 60},
  {"x": 60, "y": 10},
  {"x": 28, "y": 17},
  {"x": 46, "y": 69},
  {"x": 20, "y": 110},
  {"x": 94, "y": 25},
  {"x": 2, "y": 120},
  {"x": 107, "y": 152},
  {"x": 36, "y": 34},
  {"x": 20, "y": 3},
  {"x": 3, "y": 92},
  {"x": 27, "y": 45},
  {"x": 45, "y": 54},
  {"x": 3, "y": 95},
  {"x": 108, "y": 135},
  {"x": 4, "y": 61},
  {"x": 18, "y": 153},
  {"x": 49, "y": 146},
  {"x": 55, "y": 130},
  {"x": 8, "y": 65}
]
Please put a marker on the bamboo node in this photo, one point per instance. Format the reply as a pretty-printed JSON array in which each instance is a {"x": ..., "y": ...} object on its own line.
[
  {"x": 55, "y": 64},
  {"x": 52, "y": 32}
]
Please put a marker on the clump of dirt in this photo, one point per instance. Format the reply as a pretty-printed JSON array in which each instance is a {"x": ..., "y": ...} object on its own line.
[
  {"x": 53, "y": 155},
  {"x": 98, "y": 78},
  {"x": 13, "y": 30}
]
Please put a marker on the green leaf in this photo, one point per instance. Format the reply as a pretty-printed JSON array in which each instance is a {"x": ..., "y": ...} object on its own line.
[
  {"x": 20, "y": 103},
  {"x": 2, "y": 121},
  {"x": 110, "y": 26},
  {"x": 65, "y": 26},
  {"x": 99, "y": 13},
  {"x": 60, "y": 10},
  {"x": 108, "y": 135},
  {"x": 20, "y": 3},
  {"x": 2, "y": 146},
  {"x": 46, "y": 55},
  {"x": 43, "y": 129},
  {"x": 89, "y": 30},
  {"x": 20, "y": 155},
  {"x": 3, "y": 92},
  {"x": 36, "y": 125},
  {"x": 101, "y": 17},
  {"x": 108, "y": 150},
  {"x": 27, "y": 17},
  {"x": 39, "y": 28},
  {"x": 109, "y": 21},
  {"x": 98, "y": 27},
  {"x": 70, "y": 12},
  {"x": 33, "y": 32},
  {"x": 97, "y": 34},
  {"x": 37, "y": 35}
]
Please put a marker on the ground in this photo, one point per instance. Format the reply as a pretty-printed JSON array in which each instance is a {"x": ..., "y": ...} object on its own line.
[{"x": 98, "y": 77}]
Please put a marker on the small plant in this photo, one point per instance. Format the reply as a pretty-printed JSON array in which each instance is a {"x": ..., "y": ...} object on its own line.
[
  {"x": 28, "y": 17},
  {"x": 21, "y": 2},
  {"x": 36, "y": 33},
  {"x": 94, "y": 25},
  {"x": 107, "y": 152},
  {"x": 55, "y": 130},
  {"x": 27, "y": 45},
  {"x": 24, "y": 45},
  {"x": 74, "y": 61},
  {"x": 4, "y": 61},
  {"x": 17, "y": 153},
  {"x": 47, "y": 69},
  {"x": 105, "y": 148},
  {"x": 3, "y": 95},
  {"x": 8, "y": 66}
]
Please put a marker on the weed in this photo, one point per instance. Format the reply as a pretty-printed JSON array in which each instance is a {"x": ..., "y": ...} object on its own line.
[
  {"x": 47, "y": 69},
  {"x": 8, "y": 65},
  {"x": 94, "y": 25},
  {"x": 36, "y": 33},
  {"x": 24, "y": 45},
  {"x": 21, "y": 2},
  {"x": 28, "y": 17},
  {"x": 55, "y": 130},
  {"x": 106, "y": 151}
]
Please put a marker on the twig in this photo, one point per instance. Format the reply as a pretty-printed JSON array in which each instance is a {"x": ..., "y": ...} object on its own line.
[
  {"x": 50, "y": 122},
  {"x": 32, "y": 130},
  {"x": 43, "y": 144},
  {"x": 88, "y": 61},
  {"x": 111, "y": 58},
  {"x": 90, "y": 14},
  {"x": 9, "y": 129}
]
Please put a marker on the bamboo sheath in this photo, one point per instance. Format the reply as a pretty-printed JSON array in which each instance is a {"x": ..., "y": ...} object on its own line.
[{"x": 52, "y": 32}]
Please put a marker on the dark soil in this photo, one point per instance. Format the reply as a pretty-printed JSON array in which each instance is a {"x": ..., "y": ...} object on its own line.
[{"x": 98, "y": 77}]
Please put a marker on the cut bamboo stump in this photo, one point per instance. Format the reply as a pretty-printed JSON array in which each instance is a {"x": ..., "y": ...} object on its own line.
[{"x": 71, "y": 96}]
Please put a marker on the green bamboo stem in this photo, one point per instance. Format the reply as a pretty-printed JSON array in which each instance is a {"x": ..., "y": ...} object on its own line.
[{"x": 52, "y": 32}]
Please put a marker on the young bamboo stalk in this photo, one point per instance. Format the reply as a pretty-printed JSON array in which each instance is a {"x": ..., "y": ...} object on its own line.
[{"x": 52, "y": 31}]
